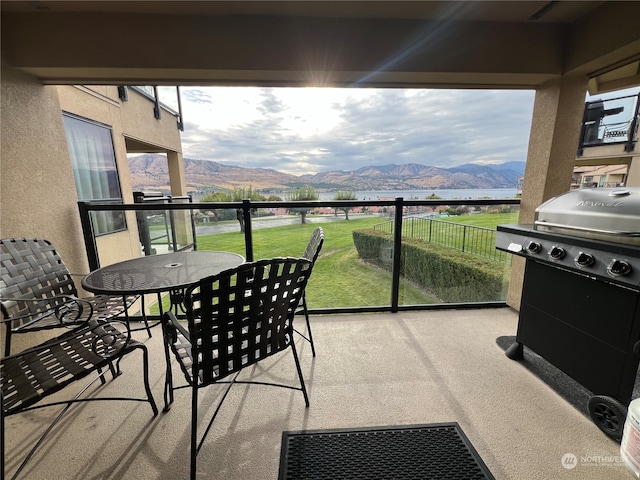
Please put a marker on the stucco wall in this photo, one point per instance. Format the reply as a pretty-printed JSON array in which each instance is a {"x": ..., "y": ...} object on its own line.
[
  {"x": 633, "y": 177},
  {"x": 138, "y": 122},
  {"x": 101, "y": 104},
  {"x": 37, "y": 191},
  {"x": 557, "y": 114}
]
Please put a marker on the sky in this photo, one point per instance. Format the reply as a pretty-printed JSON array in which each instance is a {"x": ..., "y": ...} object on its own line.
[{"x": 309, "y": 130}]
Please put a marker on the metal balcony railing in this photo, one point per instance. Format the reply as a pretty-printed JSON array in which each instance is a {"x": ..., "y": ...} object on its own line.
[
  {"x": 163, "y": 98},
  {"x": 256, "y": 243},
  {"x": 158, "y": 229},
  {"x": 610, "y": 121},
  {"x": 478, "y": 241}
]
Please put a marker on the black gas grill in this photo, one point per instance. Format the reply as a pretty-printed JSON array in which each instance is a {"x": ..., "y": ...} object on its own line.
[{"x": 580, "y": 307}]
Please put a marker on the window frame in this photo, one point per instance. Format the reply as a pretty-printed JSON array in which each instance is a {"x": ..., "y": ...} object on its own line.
[{"x": 117, "y": 221}]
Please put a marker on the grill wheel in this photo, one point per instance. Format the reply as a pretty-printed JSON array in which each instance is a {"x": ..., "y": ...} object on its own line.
[{"x": 608, "y": 414}]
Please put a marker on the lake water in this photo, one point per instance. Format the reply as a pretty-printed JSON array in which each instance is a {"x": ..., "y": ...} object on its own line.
[{"x": 446, "y": 194}]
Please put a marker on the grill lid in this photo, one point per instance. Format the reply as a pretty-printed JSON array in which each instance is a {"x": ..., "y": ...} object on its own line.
[{"x": 609, "y": 214}]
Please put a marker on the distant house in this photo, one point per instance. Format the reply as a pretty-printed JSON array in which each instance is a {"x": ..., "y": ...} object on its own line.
[{"x": 606, "y": 176}]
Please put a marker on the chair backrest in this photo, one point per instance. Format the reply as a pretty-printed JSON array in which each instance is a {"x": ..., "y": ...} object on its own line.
[
  {"x": 243, "y": 315},
  {"x": 30, "y": 268},
  {"x": 315, "y": 245}
]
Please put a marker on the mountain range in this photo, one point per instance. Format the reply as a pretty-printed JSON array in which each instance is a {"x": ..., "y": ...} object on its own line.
[{"x": 150, "y": 171}]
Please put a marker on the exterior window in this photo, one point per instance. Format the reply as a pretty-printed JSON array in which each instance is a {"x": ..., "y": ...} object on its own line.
[{"x": 94, "y": 169}]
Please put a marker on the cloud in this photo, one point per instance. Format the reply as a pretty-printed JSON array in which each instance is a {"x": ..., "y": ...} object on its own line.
[{"x": 310, "y": 130}]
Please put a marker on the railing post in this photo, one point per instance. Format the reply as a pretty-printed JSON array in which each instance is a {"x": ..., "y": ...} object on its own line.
[
  {"x": 397, "y": 255},
  {"x": 156, "y": 103},
  {"x": 633, "y": 128},
  {"x": 172, "y": 222},
  {"x": 89, "y": 237},
  {"x": 248, "y": 237},
  {"x": 191, "y": 216},
  {"x": 464, "y": 236}
]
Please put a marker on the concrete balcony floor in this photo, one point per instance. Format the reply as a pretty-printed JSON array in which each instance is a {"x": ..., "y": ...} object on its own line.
[{"x": 370, "y": 370}]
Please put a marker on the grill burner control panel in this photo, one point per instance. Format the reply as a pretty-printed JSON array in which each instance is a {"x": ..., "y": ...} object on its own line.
[{"x": 608, "y": 261}]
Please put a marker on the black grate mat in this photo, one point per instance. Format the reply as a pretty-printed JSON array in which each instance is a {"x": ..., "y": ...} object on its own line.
[{"x": 436, "y": 451}]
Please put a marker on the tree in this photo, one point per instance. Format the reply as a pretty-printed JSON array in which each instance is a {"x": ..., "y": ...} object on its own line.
[
  {"x": 217, "y": 197},
  {"x": 302, "y": 194},
  {"x": 345, "y": 195},
  {"x": 236, "y": 195}
]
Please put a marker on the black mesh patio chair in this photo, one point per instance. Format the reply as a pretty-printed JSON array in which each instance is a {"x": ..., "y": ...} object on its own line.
[
  {"x": 311, "y": 253},
  {"x": 32, "y": 375},
  {"x": 36, "y": 289},
  {"x": 235, "y": 319}
]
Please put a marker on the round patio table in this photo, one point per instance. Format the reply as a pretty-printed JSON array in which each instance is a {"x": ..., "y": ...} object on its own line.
[
  {"x": 159, "y": 273},
  {"x": 169, "y": 272}
]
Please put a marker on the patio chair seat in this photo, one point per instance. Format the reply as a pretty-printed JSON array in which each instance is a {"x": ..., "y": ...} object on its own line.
[
  {"x": 28, "y": 377},
  {"x": 32, "y": 375}
]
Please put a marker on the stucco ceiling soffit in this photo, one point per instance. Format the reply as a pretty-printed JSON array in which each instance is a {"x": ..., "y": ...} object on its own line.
[
  {"x": 616, "y": 79},
  {"x": 604, "y": 40},
  {"x": 486, "y": 10},
  {"x": 137, "y": 145},
  {"x": 262, "y": 78},
  {"x": 602, "y": 160},
  {"x": 330, "y": 45}
]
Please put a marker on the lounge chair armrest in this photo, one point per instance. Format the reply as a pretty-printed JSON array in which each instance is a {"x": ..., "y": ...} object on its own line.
[
  {"x": 68, "y": 309},
  {"x": 105, "y": 338},
  {"x": 111, "y": 337}
]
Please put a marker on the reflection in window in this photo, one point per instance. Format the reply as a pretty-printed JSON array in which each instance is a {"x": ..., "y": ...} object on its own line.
[{"x": 94, "y": 169}]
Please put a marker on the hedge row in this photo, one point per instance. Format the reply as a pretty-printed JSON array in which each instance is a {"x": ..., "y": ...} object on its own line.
[{"x": 451, "y": 275}]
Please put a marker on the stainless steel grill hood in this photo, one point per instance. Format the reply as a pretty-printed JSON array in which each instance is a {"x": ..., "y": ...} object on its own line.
[{"x": 608, "y": 214}]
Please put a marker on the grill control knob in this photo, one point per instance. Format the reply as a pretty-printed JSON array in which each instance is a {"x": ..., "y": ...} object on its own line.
[
  {"x": 556, "y": 253},
  {"x": 618, "y": 268},
  {"x": 584, "y": 259},
  {"x": 534, "y": 247}
]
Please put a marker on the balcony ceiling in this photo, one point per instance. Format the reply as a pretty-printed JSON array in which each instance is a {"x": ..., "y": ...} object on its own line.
[
  {"x": 486, "y": 11},
  {"x": 472, "y": 44}
]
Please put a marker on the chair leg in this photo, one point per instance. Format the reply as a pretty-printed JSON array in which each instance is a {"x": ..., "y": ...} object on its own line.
[
  {"x": 194, "y": 430},
  {"x": 7, "y": 340},
  {"x": 195, "y": 447},
  {"x": 2, "y": 435},
  {"x": 168, "y": 376},
  {"x": 144, "y": 317},
  {"x": 145, "y": 377},
  {"x": 302, "y": 385},
  {"x": 306, "y": 316},
  {"x": 102, "y": 379}
]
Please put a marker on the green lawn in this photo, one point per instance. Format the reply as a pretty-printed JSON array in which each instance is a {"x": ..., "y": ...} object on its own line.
[
  {"x": 487, "y": 220},
  {"x": 339, "y": 279}
]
